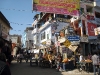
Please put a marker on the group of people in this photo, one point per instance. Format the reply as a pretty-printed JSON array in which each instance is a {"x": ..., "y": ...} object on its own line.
[
  {"x": 4, "y": 67},
  {"x": 55, "y": 60},
  {"x": 93, "y": 59}
]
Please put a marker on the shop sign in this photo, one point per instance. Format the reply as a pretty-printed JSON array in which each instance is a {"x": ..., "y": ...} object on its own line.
[
  {"x": 73, "y": 38},
  {"x": 75, "y": 42},
  {"x": 84, "y": 39},
  {"x": 91, "y": 28},
  {"x": 67, "y": 43},
  {"x": 73, "y": 48}
]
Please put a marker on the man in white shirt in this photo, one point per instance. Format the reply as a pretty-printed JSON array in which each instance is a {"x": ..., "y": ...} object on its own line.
[
  {"x": 95, "y": 61},
  {"x": 81, "y": 58}
]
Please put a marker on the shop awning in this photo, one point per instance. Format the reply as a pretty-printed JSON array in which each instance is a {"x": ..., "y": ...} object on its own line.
[{"x": 94, "y": 41}]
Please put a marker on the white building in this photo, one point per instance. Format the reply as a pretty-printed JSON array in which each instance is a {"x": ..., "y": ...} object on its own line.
[
  {"x": 44, "y": 34},
  {"x": 29, "y": 37}
]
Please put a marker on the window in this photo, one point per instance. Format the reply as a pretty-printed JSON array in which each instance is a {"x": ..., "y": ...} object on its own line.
[
  {"x": 47, "y": 36},
  {"x": 89, "y": 9},
  {"x": 97, "y": 14},
  {"x": 43, "y": 36},
  {"x": 35, "y": 26}
]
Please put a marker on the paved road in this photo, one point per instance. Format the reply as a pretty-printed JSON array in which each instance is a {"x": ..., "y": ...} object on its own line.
[{"x": 25, "y": 69}]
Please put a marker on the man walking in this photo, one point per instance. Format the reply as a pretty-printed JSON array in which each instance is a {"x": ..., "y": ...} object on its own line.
[{"x": 95, "y": 60}]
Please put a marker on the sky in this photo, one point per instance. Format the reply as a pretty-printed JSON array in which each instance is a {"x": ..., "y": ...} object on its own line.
[{"x": 19, "y": 15}]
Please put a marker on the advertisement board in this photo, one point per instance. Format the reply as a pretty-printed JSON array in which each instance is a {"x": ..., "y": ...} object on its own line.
[
  {"x": 73, "y": 38},
  {"x": 69, "y": 7},
  {"x": 73, "y": 48},
  {"x": 91, "y": 28}
]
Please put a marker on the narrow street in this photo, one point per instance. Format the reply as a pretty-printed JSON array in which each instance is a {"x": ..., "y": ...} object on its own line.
[{"x": 25, "y": 69}]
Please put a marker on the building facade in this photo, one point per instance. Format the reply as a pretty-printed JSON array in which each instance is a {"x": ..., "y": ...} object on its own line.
[
  {"x": 28, "y": 37},
  {"x": 16, "y": 39},
  {"x": 4, "y": 27}
]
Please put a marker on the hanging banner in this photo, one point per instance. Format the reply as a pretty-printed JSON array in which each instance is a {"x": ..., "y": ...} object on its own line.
[
  {"x": 69, "y": 7},
  {"x": 67, "y": 43}
]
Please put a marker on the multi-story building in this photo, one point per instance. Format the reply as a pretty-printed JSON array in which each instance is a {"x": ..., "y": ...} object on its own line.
[
  {"x": 88, "y": 23},
  {"x": 45, "y": 27},
  {"x": 29, "y": 37},
  {"x": 82, "y": 26},
  {"x": 4, "y": 27},
  {"x": 16, "y": 39},
  {"x": 24, "y": 40}
]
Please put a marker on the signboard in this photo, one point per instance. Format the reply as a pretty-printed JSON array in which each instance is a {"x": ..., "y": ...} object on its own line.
[
  {"x": 73, "y": 38},
  {"x": 84, "y": 39},
  {"x": 91, "y": 28},
  {"x": 73, "y": 48},
  {"x": 75, "y": 42},
  {"x": 67, "y": 43},
  {"x": 69, "y": 7}
]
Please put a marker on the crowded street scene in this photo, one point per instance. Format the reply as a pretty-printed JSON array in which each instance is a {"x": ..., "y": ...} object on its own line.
[{"x": 50, "y": 37}]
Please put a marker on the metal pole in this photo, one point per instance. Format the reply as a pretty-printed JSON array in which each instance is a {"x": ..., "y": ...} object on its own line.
[{"x": 56, "y": 40}]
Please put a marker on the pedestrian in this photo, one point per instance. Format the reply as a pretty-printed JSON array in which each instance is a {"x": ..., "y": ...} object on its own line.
[
  {"x": 89, "y": 56},
  {"x": 4, "y": 68},
  {"x": 59, "y": 62},
  {"x": 95, "y": 60},
  {"x": 65, "y": 60},
  {"x": 81, "y": 60}
]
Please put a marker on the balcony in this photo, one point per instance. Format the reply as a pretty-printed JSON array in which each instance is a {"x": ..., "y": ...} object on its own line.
[
  {"x": 88, "y": 2},
  {"x": 44, "y": 26}
]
